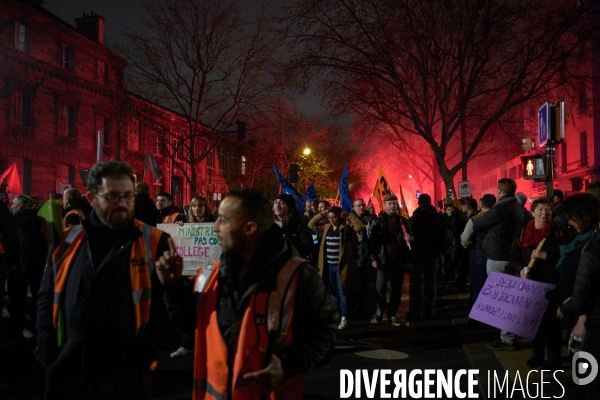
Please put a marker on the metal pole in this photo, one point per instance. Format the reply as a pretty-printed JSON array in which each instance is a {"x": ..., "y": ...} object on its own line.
[
  {"x": 99, "y": 157},
  {"x": 550, "y": 165}
]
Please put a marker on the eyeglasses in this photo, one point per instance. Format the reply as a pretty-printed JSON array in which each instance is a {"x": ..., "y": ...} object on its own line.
[
  {"x": 359, "y": 205},
  {"x": 114, "y": 199},
  {"x": 278, "y": 202}
]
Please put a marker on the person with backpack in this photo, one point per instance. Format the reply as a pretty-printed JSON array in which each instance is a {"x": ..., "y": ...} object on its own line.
[
  {"x": 427, "y": 244},
  {"x": 31, "y": 231}
]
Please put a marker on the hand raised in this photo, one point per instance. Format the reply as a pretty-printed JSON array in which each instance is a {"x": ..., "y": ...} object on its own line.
[
  {"x": 170, "y": 265},
  {"x": 266, "y": 380}
]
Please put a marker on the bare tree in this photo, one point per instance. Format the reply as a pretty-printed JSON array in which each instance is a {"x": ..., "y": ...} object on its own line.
[
  {"x": 208, "y": 63},
  {"x": 441, "y": 69}
]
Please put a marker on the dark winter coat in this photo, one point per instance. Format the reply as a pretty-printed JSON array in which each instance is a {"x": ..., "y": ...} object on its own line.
[
  {"x": 101, "y": 356},
  {"x": 586, "y": 296},
  {"x": 503, "y": 222},
  {"x": 363, "y": 257},
  {"x": 428, "y": 234},
  {"x": 313, "y": 326},
  {"x": 31, "y": 231},
  {"x": 8, "y": 236},
  {"x": 384, "y": 238},
  {"x": 298, "y": 232},
  {"x": 145, "y": 209}
]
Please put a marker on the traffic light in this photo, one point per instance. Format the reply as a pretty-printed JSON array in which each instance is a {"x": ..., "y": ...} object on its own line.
[
  {"x": 241, "y": 130},
  {"x": 534, "y": 167}
]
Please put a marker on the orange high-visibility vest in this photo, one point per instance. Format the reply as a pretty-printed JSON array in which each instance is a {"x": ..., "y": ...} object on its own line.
[
  {"x": 266, "y": 327},
  {"x": 73, "y": 211},
  {"x": 141, "y": 266},
  {"x": 171, "y": 217}
]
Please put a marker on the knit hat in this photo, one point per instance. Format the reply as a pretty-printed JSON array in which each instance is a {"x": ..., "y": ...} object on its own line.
[
  {"x": 288, "y": 199},
  {"x": 335, "y": 210},
  {"x": 488, "y": 200},
  {"x": 424, "y": 199}
]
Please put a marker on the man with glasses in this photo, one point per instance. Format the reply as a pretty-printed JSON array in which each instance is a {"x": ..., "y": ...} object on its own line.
[
  {"x": 363, "y": 259},
  {"x": 389, "y": 255},
  {"x": 101, "y": 316}
]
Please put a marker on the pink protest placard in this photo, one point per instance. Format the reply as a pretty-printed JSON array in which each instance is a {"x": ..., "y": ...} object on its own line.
[{"x": 512, "y": 303}]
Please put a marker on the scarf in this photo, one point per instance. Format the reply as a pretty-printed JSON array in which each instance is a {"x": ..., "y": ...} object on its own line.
[
  {"x": 532, "y": 236},
  {"x": 577, "y": 244}
]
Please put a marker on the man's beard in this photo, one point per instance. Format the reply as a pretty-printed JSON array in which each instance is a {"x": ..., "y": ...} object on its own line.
[{"x": 114, "y": 220}]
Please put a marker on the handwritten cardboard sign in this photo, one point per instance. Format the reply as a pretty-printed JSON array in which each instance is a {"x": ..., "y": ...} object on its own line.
[
  {"x": 512, "y": 303},
  {"x": 196, "y": 243}
]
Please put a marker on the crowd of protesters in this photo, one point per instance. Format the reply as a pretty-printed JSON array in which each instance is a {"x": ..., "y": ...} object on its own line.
[{"x": 346, "y": 258}]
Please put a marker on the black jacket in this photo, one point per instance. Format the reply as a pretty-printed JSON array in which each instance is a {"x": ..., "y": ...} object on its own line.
[
  {"x": 8, "y": 236},
  {"x": 145, "y": 209},
  {"x": 297, "y": 231},
  {"x": 34, "y": 247},
  {"x": 428, "y": 234},
  {"x": 384, "y": 238},
  {"x": 313, "y": 325},
  {"x": 363, "y": 257},
  {"x": 101, "y": 358},
  {"x": 586, "y": 296},
  {"x": 503, "y": 222}
]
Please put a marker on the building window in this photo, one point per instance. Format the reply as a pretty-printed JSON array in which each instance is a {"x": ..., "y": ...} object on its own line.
[
  {"x": 21, "y": 109},
  {"x": 222, "y": 159},
  {"x": 243, "y": 166},
  {"x": 159, "y": 145},
  {"x": 102, "y": 124},
  {"x": 583, "y": 151},
  {"x": 178, "y": 144},
  {"x": 21, "y": 37},
  {"x": 66, "y": 123},
  {"x": 512, "y": 173},
  {"x": 102, "y": 77},
  {"x": 209, "y": 158},
  {"x": 67, "y": 57},
  {"x": 133, "y": 135}
]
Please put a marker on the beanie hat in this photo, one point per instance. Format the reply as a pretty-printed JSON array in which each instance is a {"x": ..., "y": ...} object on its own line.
[
  {"x": 288, "y": 199},
  {"x": 424, "y": 199},
  {"x": 488, "y": 200}
]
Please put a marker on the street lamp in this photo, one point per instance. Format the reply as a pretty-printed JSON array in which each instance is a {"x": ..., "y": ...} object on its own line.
[{"x": 306, "y": 151}]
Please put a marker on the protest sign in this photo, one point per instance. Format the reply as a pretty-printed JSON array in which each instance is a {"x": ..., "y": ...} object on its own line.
[
  {"x": 196, "y": 243},
  {"x": 512, "y": 303}
]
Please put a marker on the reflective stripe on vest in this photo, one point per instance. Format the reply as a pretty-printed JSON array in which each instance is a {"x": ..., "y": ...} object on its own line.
[
  {"x": 170, "y": 218},
  {"x": 73, "y": 211},
  {"x": 265, "y": 329},
  {"x": 141, "y": 266}
]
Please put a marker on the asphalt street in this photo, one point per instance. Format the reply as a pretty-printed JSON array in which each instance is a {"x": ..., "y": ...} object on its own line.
[{"x": 448, "y": 342}]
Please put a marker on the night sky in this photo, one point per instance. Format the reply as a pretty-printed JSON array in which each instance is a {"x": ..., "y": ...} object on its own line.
[{"x": 120, "y": 14}]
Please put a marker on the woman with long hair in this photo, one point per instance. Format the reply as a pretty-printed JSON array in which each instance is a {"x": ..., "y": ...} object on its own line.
[
  {"x": 200, "y": 210},
  {"x": 539, "y": 240}
]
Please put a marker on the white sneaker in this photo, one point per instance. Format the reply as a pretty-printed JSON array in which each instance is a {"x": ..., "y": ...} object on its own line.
[
  {"x": 182, "y": 352},
  {"x": 343, "y": 323},
  {"x": 27, "y": 334}
]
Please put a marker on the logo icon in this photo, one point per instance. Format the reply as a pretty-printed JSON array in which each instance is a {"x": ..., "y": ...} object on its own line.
[{"x": 585, "y": 368}]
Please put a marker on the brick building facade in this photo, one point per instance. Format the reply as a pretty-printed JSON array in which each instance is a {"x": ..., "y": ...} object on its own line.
[{"x": 59, "y": 86}]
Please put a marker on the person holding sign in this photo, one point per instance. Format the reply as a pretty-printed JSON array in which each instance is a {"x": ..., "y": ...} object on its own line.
[
  {"x": 263, "y": 317},
  {"x": 534, "y": 254}
]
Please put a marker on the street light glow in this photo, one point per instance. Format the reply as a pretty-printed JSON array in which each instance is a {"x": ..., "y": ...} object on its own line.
[
  {"x": 410, "y": 176},
  {"x": 306, "y": 151}
]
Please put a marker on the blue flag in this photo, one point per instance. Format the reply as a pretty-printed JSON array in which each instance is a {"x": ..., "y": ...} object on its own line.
[
  {"x": 310, "y": 193},
  {"x": 345, "y": 202},
  {"x": 289, "y": 189}
]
